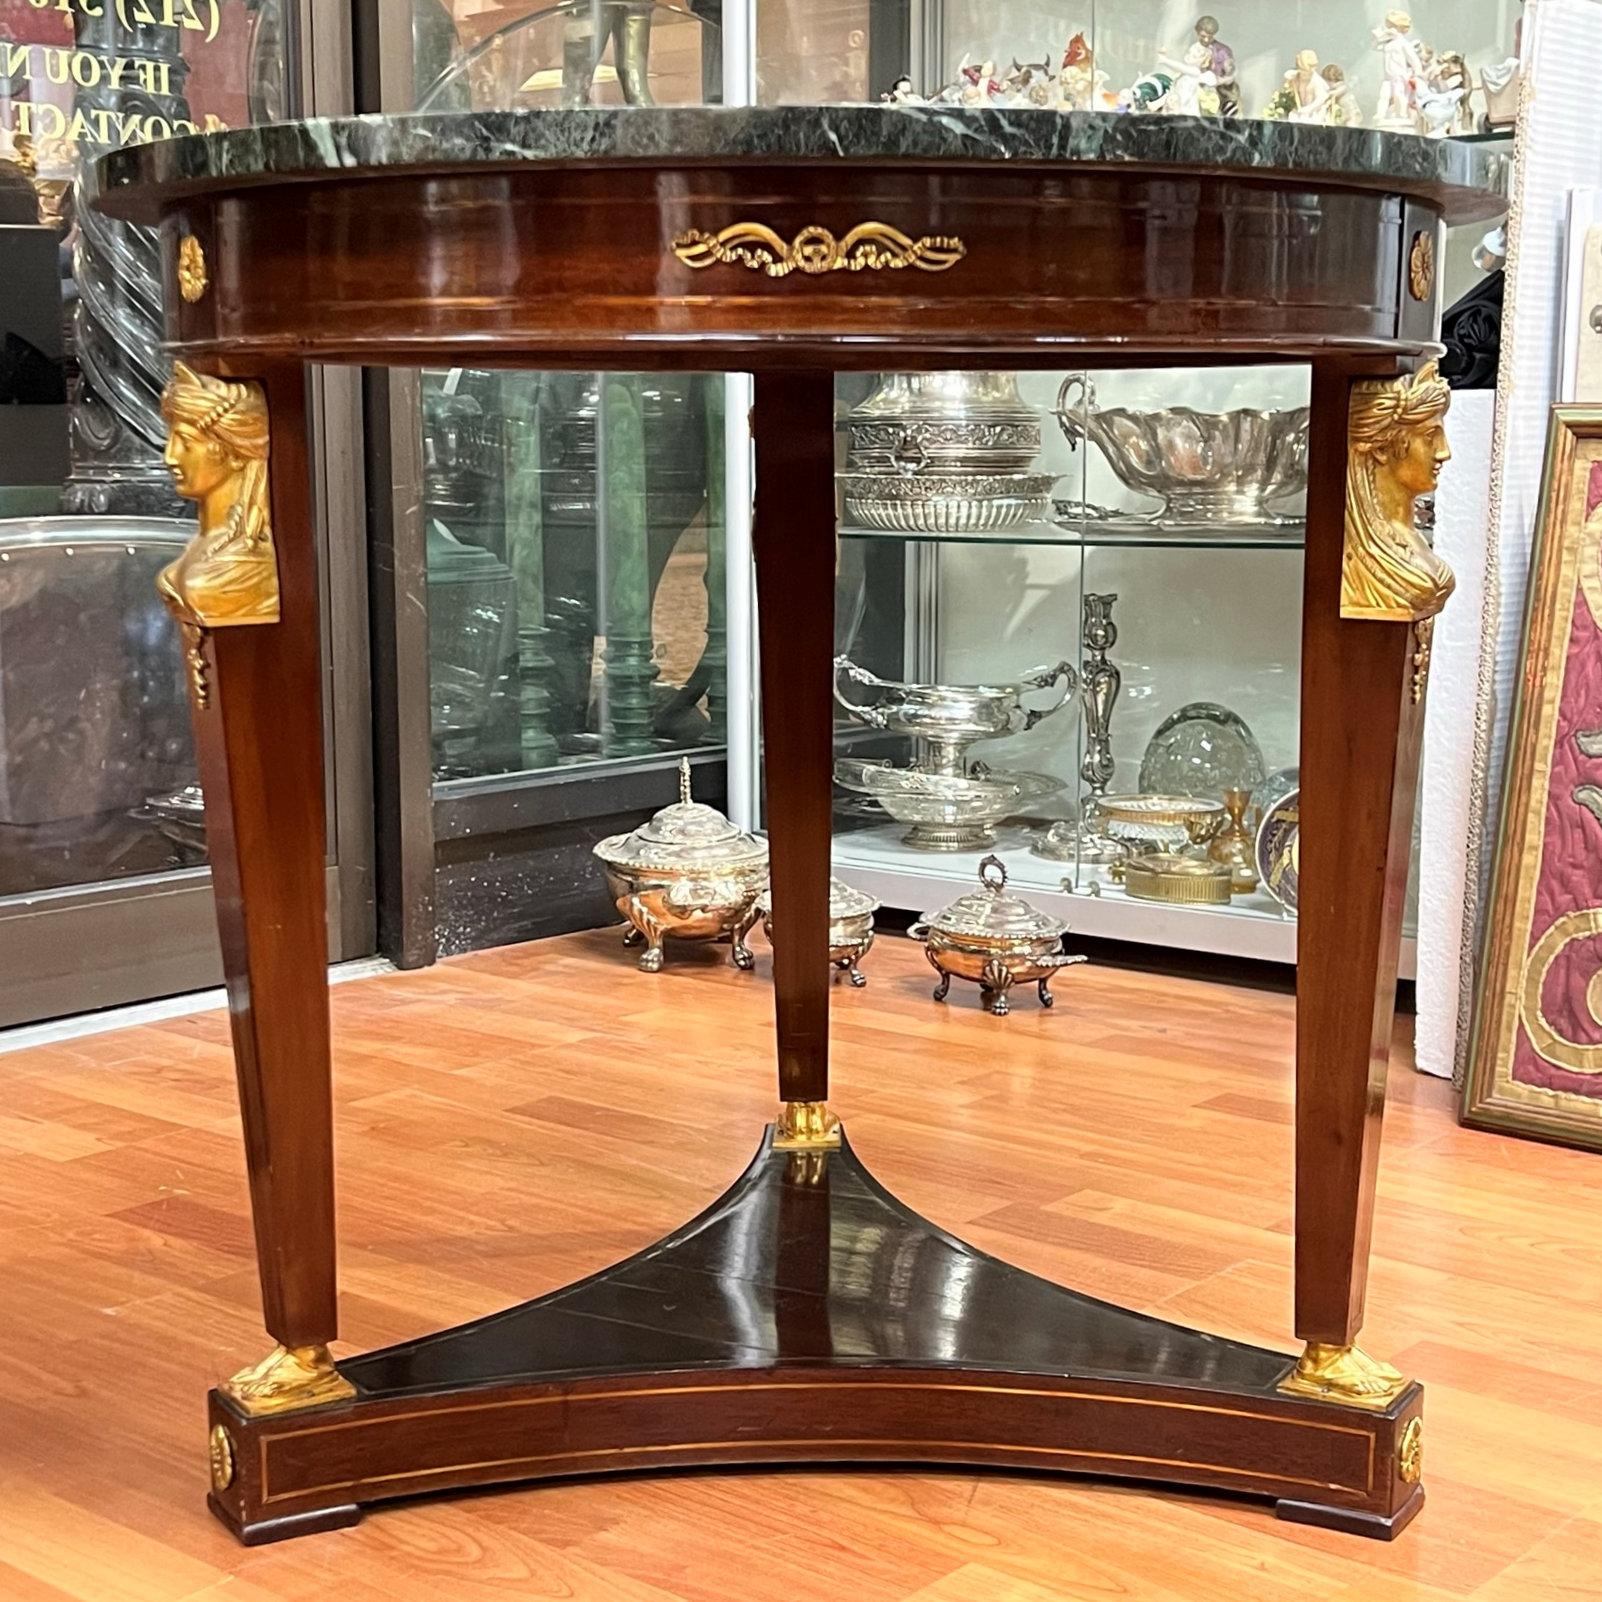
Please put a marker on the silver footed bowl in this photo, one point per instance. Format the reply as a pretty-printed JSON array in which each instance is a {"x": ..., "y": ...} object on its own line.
[
  {"x": 951, "y": 717},
  {"x": 948, "y": 503},
  {"x": 1235, "y": 469}
]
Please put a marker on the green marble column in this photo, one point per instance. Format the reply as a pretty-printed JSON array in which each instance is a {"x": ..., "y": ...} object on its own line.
[
  {"x": 716, "y": 656},
  {"x": 630, "y": 670},
  {"x": 525, "y": 548}
]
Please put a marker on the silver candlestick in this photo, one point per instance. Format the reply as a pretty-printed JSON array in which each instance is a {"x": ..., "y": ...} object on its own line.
[{"x": 1081, "y": 839}]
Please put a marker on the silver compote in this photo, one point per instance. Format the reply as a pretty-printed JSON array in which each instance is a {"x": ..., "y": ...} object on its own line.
[
  {"x": 688, "y": 873},
  {"x": 951, "y": 717}
]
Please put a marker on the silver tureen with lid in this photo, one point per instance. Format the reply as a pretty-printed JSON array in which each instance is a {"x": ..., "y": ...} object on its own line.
[
  {"x": 850, "y": 927},
  {"x": 995, "y": 939},
  {"x": 689, "y": 873}
]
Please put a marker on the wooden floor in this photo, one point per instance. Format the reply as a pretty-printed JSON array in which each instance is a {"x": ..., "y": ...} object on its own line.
[{"x": 512, "y": 1120}]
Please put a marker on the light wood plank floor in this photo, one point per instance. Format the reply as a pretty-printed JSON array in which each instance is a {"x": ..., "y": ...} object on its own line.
[{"x": 511, "y": 1120}]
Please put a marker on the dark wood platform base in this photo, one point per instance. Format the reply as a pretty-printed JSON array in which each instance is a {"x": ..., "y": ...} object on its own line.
[
  {"x": 809, "y": 1317},
  {"x": 263, "y": 1531},
  {"x": 1350, "y": 1522}
]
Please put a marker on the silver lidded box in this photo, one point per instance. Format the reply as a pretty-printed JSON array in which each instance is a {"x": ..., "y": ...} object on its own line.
[
  {"x": 850, "y": 927},
  {"x": 994, "y": 939},
  {"x": 690, "y": 874}
]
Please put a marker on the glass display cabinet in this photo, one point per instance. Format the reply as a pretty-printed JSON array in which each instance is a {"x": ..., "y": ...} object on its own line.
[{"x": 1139, "y": 533}]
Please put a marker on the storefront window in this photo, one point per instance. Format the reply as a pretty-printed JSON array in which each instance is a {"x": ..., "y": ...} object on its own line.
[{"x": 96, "y": 760}]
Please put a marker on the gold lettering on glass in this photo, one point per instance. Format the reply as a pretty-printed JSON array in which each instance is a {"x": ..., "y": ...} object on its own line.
[
  {"x": 869, "y": 247},
  {"x": 217, "y": 449},
  {"x": 1396, "y": 449}
]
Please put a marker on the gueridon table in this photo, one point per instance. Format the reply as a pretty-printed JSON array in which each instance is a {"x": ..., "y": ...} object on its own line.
[{"x": 807, "y": 1315}]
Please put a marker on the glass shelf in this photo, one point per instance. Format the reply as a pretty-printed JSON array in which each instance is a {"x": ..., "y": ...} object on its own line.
[
  {"x": 1077, "y": 538},
  {"x": 881, "y": 847}
]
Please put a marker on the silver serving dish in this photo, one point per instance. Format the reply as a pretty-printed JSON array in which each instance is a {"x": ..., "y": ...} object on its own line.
[
  {"x": 962, "y": 422},
  {"x": 688, "y": 873},
  {"x": 991, "y": 503},
  {"x": 850, "y": 927},
  {"x": 995, "y": 940},
  {"x": 945, "y": 812},
  {"x": 1221, "y": 469},
  {"x": 951, "y": 717}
]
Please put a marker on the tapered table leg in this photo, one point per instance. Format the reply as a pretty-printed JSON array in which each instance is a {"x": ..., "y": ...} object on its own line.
[
  {"x": 1364, "y": 665},
  {"x": 794, "y": 538},
  {"x": 257, "y": 692}
]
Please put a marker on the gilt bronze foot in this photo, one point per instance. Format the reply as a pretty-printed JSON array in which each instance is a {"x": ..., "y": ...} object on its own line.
[
  {"x": 806, "y": 1126},
  {"x": 287, "y": 1379},
  {"x": 1344, "y": 1374}
]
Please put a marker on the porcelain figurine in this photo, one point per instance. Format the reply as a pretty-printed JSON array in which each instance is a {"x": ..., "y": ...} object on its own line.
[
  {"x": 1076, "y": 77},
  {"x": 1080, "y": 87},
  {"x": 1222, "y": 65},
  {"x": 1343, "y": 107},
  {"x": 1030, "y": 83},
  {"x": 1447, "y": 104},
  {"x": 901, "y": 93},
  {"x": 1403, "y": 67},
  {"x": 1147, "y": 94},
  {"x": 1500, "y": 84},
  {"x": 1439, "y": 111},
  {"x": 1304, "y": 95},
  {"x": 1194, "y": 91},
  {"x": 978, "y": 86}
]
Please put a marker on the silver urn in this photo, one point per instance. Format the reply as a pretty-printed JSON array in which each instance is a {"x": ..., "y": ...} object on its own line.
[
  {"x": 996, "y": 940},
  {"x": 690, "y": 874},
  {"x": 944, "y": 453}
]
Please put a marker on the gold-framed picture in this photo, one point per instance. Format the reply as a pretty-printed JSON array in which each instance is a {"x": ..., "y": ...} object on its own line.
[{"x": 1535, "y": 1061}]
